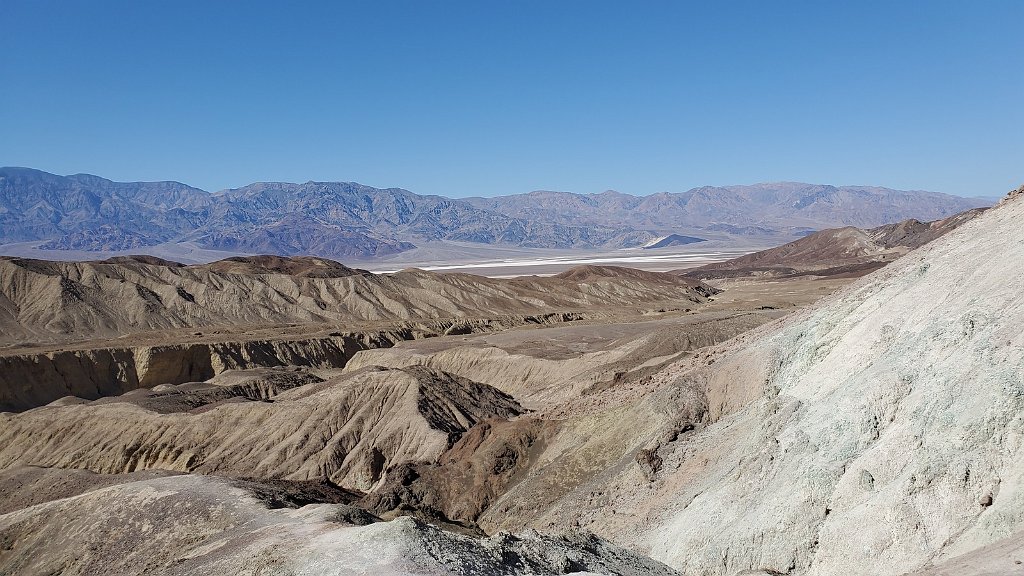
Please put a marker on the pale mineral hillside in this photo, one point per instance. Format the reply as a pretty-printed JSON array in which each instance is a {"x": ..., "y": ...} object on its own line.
[{"x": 185, "y": 525}]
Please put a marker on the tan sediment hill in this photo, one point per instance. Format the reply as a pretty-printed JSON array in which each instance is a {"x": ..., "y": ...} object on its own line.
[
  {"x": 348, "y": 430},
  {"x": 43, "y": 301},
  {"x": 222, "y": 423},
  {"x": 103, "y": 328},
  {"x": 837, "y": 252},
  {"x": 544, "y": 368},
  {"x": 90, "y": 370},
  {"x": 259, "y": 384},
  {"x": 590, "y": 273}
]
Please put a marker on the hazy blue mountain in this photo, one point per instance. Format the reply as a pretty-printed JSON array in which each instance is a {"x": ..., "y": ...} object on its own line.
[
  {"x": 36, "y": 205},
  {"x": 352, "y": 221},
  {"x": 394, "y": 214},
  {"x": 758, "y": 209}
]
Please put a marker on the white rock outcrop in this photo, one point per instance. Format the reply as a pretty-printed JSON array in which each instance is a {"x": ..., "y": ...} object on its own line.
[{"x": 876, "y": 433}]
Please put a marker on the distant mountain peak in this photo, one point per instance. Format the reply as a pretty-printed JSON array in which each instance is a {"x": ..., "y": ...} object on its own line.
[{"x": 672, "y": 240}]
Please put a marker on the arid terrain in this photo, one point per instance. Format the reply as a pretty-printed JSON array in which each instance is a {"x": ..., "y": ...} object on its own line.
[{"x": 848, "y": 403}]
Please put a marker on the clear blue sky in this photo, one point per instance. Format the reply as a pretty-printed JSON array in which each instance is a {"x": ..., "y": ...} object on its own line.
[{"x": 487, "y": 97}]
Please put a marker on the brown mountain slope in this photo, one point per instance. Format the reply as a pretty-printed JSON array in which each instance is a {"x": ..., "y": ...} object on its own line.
[
  {"x": 42, "y": 301},
  {"x": 299, "y": 266},
  {"x": 845, "y": 251}
]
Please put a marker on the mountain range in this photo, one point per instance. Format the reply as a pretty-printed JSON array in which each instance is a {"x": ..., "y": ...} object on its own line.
[{"x": 350, "y": 221}]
